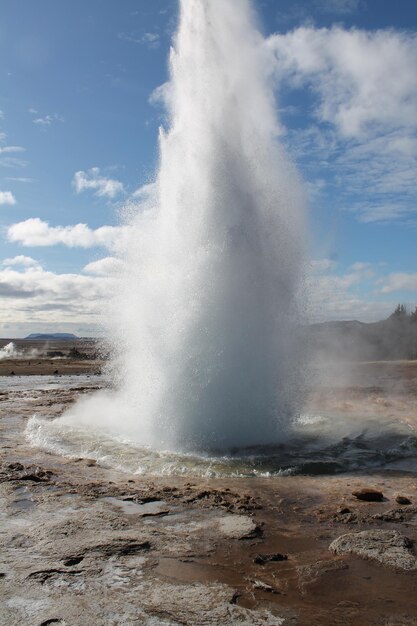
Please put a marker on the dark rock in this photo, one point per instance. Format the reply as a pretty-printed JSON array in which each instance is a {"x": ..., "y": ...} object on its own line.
[
  {"x": 121, "y": 547},
  {"x": 403, "y": 500},
  {"x": 369, "y": 495},
  {"x": 261, "y": 559},
  {"x": 17, "y": 471},
  {"x": 42, "y": 576},
  {"x": 396, "y": 515},
  {"x": 72, "y": 560},
  {"x": 343, "y": 511}
]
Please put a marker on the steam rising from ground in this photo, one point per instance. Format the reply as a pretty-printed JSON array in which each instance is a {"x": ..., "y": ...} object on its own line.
[
  {"x": 9, "y": 351},
  {"x": 204, "y": 316}
]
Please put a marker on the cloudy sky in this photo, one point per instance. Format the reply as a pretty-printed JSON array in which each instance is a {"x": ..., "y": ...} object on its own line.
[{"x": 78, "y": 138}]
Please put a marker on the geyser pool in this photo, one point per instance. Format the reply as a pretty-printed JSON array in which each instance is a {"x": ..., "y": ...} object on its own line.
[{"x": 204, "y": 310}]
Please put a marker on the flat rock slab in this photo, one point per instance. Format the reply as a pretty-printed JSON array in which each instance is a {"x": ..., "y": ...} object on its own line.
[
  {"x": 237, "y": 527},
  {"x": 205, "y": 605},
  {"x": 388, "y": 547}
]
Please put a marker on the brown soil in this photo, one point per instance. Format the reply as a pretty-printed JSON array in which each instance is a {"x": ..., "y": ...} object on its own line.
[{"x": 47, "y": 367}]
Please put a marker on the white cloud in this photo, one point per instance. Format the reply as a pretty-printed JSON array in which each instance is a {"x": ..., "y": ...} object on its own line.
[
  {"x": 46, "y": 120},
  {"x": 8, "y": 161},
  {"x": 161, "y": 94},
  {"x": 36, "y": 232},
  {"x": 340, "y": 296},
  {"x": 102, "y": 186},
  {"x": 6, "y": 197},
  {"x": 1, "y": 114},
  {"x": 5, "y": 151},
  {"x": 338, "y": 7},
  {"x": 362, "y": 133},
  {"x": 22, "y": 260},
  {"x": 151, "y": 40},
  {"x": 359, "y": 266},
  {"x": 145, "y": 192},
  {"x": 20, "y": 179},
  {"x": 322, "y": 265},
  {"x": 398, "y": 282},
  {"x": 362, "y": 78},
  {"x": 10, "y": 149},
  {"x": 103, "y": 267},
  {"x": 37, "y": 296}
]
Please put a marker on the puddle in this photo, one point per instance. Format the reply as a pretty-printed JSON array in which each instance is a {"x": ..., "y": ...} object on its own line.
[
  {"x": 192, "y": 571},
  {"x": 158, "y": 507}
]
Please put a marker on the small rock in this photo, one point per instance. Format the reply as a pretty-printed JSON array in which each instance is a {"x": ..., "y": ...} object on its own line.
[
  {"x": 369, "y": 495},
  {"x": 72, "y": 560},
  {"x": 395, "y": 515},
  {"x": 388, "y": 547},
  {"x": 261, "y": 559},
  {"x": 343, "y": 511},
  {"x": 403, "y": 500},
  {"x": 258, "y": 584}
]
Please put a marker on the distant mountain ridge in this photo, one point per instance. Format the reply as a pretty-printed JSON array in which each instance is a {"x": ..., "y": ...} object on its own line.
[
  {"x": 46, "y": 336},
  {"x": 392, "y": 338}
]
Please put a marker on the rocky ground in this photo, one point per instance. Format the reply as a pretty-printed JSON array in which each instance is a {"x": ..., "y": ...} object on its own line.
[
  {"x": 52, "y": 357},
  {"x": 82, "y": 544},
  {"x": 49, "y": 367}
]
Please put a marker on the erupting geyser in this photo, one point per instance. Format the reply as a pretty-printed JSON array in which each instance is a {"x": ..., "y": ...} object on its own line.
[{"x": 205, "y": 312}]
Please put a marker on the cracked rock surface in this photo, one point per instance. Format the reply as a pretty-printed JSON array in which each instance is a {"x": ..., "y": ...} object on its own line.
[{"x": 388, "y": 547}]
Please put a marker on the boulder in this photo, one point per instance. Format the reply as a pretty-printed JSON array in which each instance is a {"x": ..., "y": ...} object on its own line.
[{"x": 369, "y": 495}]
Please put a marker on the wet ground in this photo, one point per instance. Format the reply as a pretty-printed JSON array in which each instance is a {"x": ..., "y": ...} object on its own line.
[{"x": 87, "y": 544}]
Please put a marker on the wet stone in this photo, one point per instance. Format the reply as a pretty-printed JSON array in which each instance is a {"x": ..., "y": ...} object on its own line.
[
  {"x": 369, "y": 495},
  {"x": 403, "y": 500},
  {"x": 261, "y": 559},
  {"x": 261, "y": 586}
]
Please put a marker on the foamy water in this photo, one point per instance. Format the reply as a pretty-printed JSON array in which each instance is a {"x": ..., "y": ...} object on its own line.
[{"x": 320, "y": 443}]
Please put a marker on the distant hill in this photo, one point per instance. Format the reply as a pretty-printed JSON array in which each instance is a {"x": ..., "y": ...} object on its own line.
[
  {"x": 392, "y": 338},
  {"x": 52, "y": 336}
]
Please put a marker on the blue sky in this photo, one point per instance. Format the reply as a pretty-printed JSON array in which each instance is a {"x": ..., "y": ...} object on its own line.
[{"x": 78, "y": 137}]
